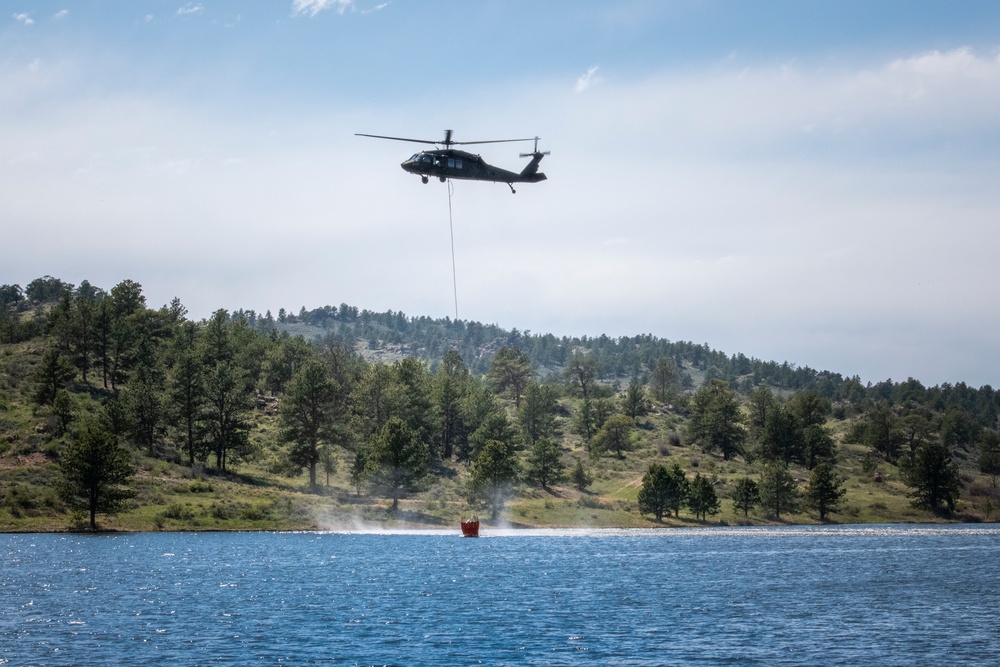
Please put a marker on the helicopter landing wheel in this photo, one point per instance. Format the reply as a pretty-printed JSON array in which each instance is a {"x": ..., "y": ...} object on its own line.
[
  {"x": 442, "y": 179},
  {"x": 423, "y": 179}
]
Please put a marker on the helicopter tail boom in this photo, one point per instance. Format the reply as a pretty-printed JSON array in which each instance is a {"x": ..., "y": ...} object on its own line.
[{"x": 530, "y": 172}]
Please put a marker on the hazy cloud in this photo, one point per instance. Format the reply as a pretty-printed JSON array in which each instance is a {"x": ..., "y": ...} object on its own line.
[
  {"x": 190, "y": 8},
  {"x": 314, "y": 7},
  {"x": 587, "y": 80},
  {"x": 24, "y": 18},
  {"x": 61, "y": 14}
]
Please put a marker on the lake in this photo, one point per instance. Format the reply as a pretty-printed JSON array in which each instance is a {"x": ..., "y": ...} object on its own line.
[{"x": 844, "y": 595}]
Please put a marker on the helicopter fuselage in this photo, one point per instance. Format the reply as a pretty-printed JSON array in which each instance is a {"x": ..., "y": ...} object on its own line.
[{"x": 451, "y": 163}]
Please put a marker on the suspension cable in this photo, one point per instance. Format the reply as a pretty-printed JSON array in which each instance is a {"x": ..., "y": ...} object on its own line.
[{"x": 451, "y": 228}]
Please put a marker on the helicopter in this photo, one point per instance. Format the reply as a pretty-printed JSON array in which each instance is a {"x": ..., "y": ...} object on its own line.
[{"x": 448, "y": 162}]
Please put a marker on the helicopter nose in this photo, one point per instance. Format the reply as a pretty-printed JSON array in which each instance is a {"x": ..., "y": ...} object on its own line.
[{"x": 407, "y": 165}]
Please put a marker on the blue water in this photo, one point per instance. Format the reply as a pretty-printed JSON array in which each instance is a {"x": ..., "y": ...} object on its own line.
[{"x": 893, "y": 595}]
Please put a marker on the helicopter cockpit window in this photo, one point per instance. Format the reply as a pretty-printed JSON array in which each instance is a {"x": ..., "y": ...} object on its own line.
[
  {"x": 415, "y": 157},
  {"x": 426, "y": 159}
]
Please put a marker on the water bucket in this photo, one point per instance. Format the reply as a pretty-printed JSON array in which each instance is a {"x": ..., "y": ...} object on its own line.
[{"x": 470, "y": 526}]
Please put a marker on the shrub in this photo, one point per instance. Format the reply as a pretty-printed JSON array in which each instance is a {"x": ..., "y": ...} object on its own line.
[{"x": 178, "y": 512}]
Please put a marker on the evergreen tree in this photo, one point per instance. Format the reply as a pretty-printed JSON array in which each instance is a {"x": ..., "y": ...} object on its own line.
[
  {"x": 493, "y": 474},
  {"x": 818, "y": 446},
  {"x": 615, "y": 436},
  {"x": 933, "y": 476},
  {"x": 716, "y": 422},
  {"x": 95, "y": 470},
  {"x": 413, "y": 394},
  {"x": 825, "y": 491},
  {"x": 537, "y": 416},
  {"x": 328, "y": 461},
  {"x": 545, "y": 464},
  {"x": 581, "y": 477},
  {"x": 989, "y": 456},
  {"x": 53, "y": 374},
  {"x": 310, "y": 415},
  {"x": 880, "y": 431},
  {"x": 777, "y": 489},
  {"x": 634, "y": 403},
  {"x": 510, "y": 371},
  {"x": 283, "y": 360},
  {"x": 581, "y": 372},
  {"x": 760, "y": 403},
  {"x": 142, "y": 398},
  {"x": 64, "y": 410},
  {"x": 477, "y": 406},
  {"x": 809, "y": 408},
  {"x": 663, "y": 490},
  {"x": 583, "y": 421},
  {"x": 679, "y": 490},
  {"x": 496, "y": 426},
  {"x": 665, "y": 380},
  {"x": 782, "y": 437},
  {"x": 185, "y": 390},
  {"x": 655, "y": 492},
  {"x": 373, "y": 401},
  {"x": 226, "y": 415},
  {"x": 397, "y": 460},
  {"x": 85, "y": 307},
  {"x": 702, "y": 499},
  {"x": 450, "y": 386},
  {"x": 746, "y": 495},
  {"x": 126, "y": 304}
]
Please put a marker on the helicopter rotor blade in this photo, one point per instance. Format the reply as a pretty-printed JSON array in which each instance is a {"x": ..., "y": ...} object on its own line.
[
  {"x": 492, "y": 141},
  {"x": 447, "y": 140},
  {"x": 416, "y": 141}
]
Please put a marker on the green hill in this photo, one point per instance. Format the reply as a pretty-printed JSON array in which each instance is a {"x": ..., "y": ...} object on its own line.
[{"x": 224, "y": 421}]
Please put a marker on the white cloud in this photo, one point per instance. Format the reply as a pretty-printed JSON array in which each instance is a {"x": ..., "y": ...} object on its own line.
[
  {"x": 376, "y": 8},
  {"x": 588, "y": 79},
  {"x": 24, "y": 18},
  {"x": 190, "y": 8},
  {"x": 61, "y": 14},
  {"x": 314, "y": 7}
]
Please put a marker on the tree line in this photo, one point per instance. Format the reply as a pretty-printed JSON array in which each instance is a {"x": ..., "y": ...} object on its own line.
[{"x": 172, "y": 387}]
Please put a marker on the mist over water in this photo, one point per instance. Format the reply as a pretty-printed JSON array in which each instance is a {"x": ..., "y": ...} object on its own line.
[{"x": 850, "y": 595}]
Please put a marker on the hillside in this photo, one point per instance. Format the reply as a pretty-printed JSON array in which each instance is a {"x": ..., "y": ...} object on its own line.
[{"x": 73, "y": 356}]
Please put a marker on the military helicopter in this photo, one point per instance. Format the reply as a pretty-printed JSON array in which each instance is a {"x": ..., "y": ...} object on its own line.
[{"x": 447, "y": 162}]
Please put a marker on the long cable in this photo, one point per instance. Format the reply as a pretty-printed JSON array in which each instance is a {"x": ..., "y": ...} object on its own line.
[{"x": 451, "y": 228}]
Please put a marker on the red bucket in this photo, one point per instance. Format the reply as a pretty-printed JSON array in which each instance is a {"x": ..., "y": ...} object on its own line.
[{"x": 470, "y": 527}]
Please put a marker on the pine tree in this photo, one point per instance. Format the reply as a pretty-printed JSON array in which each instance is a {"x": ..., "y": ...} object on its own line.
[
  {"x": 494, "y": 473},
  {"x": 825, "y": 491},
  {"x": 397, "y": 460},
  {"x": 777, "y": 489},
  {"x": 581, "y": 477},
  {"x": 95, "y": 469},
  {"x": 702, "y": 499},
  {"x": 545, "y": 464},
  {"x": 933, "y": 476},
  {"x": 746, "y": 495}
]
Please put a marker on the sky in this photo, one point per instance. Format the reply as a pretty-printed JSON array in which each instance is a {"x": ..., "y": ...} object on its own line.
[{"x": 794, "y": 180}]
